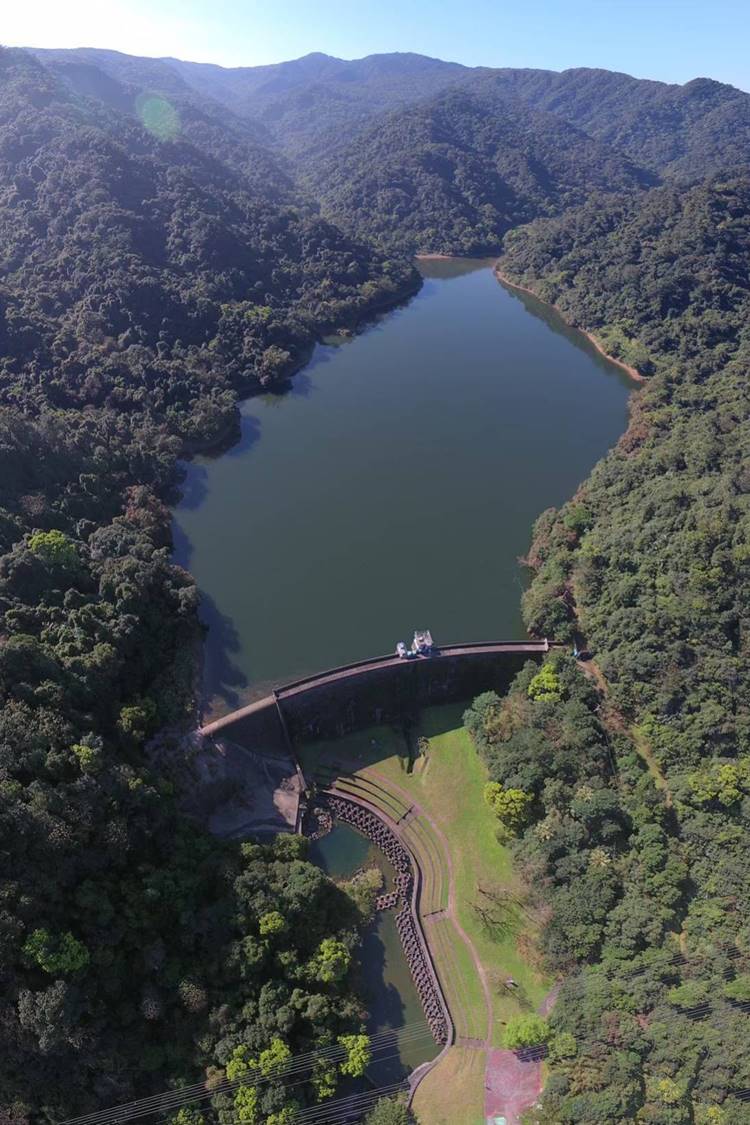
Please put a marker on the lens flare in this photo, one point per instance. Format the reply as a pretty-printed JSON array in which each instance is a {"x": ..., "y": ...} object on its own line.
[{"x": 158, "y": 116}]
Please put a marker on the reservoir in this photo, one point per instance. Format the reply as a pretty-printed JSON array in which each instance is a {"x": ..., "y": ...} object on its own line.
[{"x": 395, "y": 485}]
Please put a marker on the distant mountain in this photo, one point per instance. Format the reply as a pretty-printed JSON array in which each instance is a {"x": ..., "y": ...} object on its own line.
[
  {"x": 410, "y": 151},
  {"x": 120, "y": 80},
  {"x": 302, "y": 104},
  {"x": 376, "y": 83},
  {"x": 687, "y": 132},
  {"x": 455, "y": 173}
]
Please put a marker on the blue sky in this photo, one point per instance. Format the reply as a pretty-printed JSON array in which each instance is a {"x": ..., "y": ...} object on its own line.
[{"x": 665, "y": 39}]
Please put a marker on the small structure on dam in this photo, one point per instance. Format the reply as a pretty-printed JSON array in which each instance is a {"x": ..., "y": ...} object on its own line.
[
  {"x": 422, "y": 645},
  {"x": 332, "y": 704}
]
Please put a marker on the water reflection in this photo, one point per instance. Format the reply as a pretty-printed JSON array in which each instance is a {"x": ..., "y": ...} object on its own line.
[{"x": 554, "y": 321}]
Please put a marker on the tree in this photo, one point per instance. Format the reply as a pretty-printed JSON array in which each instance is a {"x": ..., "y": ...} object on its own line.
[
  {"x": 55, "y": 549},
  {"x": 324, "y": 1079},
  {"x": 527, "y": 1030},
  {"x": 241, "y": 1063},
  {"x": 273, "y": 1058},
  {"x": 389, "y": 1111},
  {"x": 331, "y": 962},
  {"x": 287, "y": 1115},
  {"x": 271, "y": 923},
  {"x": 545, "y": 686},
  {"x": 358, "y": 1054},
  {"x": 56, "y": 954},
  {"x": 511, "y": 806},
  {"x": 137, "y": 719},
  {"x": 188, "y": 1115},
  {"x": 246, "y": 1105},
  {"x": 562, "y": 1046},
  {"x": 90, "y": 758},
  {"x": 738, "y": 990}
]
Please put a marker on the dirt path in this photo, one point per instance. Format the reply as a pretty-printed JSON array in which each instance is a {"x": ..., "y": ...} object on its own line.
[
  {"x": 550, "y": 1000},
  {"x": 615, "y": 720},
  {"x": 511, "y": 1085},
  {"x": 451, "y": 908}
]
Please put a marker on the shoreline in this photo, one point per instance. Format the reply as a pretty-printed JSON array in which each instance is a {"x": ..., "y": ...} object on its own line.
[
  {"x": 221, "y": 443},
  {"x": 633, "y": 372}
]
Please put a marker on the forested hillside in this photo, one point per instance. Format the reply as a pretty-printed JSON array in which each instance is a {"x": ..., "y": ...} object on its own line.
[
  {"x": 455, "y": 173},
  {"x": 163, "y": 253},
  {"x": 423, "y": 154},
  {"x": 682, "y": 132},
  {"x": 184, "y": 277},
  {"x": 306, "y": 104},
  {"x": 146, "y": 282},
  {"x": 648, "y": 567}
]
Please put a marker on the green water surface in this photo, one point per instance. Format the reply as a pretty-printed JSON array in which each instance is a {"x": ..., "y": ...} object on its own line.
[{"x": 388, "y": 989}]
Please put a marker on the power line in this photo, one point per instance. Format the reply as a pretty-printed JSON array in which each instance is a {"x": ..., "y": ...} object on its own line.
[
  {"x": 173, "y": 1099},
  {"x": 302, "y": 1064},
  {"x": 338, "y": 1108},
  {"x": 295, "y": 1063},
  {"x": 678, "y": 959},
  {"x": 344, "y": 1107},
  {"x": 341, "y": 1108}
]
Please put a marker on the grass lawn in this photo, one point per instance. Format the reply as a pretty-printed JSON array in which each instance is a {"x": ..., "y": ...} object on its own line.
[
  {"x": 452, "y": 791},
  {"x": 453, "y": 1092},
  {"x": 447, "y": 783}
]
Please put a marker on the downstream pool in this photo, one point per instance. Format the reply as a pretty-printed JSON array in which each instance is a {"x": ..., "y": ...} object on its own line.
[
  {"x": 388, "y": 989},
  {"x": 394, "y": 487}
]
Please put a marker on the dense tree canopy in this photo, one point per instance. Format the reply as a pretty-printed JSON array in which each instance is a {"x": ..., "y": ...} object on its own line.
[
  {"x": 163, "y": 252},
  {"x": 681, "y": 131},
  {"x": 648, "y": 568},
  {"x": 147, "y": 274},
  {"x": 150, "y": 274},
  {"x": 453, "y": 174}
]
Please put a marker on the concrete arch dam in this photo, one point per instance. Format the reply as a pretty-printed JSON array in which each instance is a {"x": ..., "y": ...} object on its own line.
[{"x": 386, "y": 689}]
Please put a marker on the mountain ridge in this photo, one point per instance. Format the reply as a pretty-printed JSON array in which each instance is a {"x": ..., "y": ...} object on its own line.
[{"x": 306, "y": 105}]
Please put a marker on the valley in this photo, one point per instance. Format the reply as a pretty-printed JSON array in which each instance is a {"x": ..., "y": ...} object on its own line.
[{"x": 265, "y": 408}]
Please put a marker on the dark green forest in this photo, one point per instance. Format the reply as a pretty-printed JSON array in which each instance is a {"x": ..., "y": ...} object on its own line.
[
  {"x": 175, "y": 237},
  {"x": 648, "y": 569},
  {"x": 453, "y": 175},
  {"x": 146, "y": 283}
]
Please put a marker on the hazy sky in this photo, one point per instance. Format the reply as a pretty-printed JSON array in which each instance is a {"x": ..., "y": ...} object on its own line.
[{"x": 666, "y": 39}]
